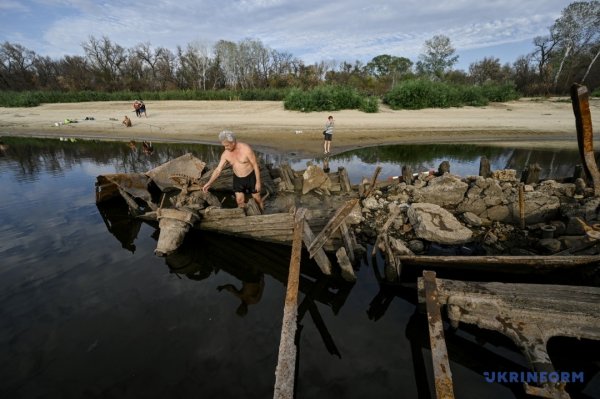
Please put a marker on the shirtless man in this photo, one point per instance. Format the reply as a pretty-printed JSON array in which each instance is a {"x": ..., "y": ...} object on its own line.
[{"x": 246, "y": 174}]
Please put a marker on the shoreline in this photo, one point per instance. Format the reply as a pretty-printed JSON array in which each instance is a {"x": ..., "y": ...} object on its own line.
[{"x": 266, "y": 125}]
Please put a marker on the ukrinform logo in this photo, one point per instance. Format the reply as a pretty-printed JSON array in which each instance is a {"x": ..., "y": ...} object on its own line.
[{"x": 533, "y": 376}]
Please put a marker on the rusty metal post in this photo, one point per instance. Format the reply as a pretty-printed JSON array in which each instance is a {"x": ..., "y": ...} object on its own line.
[
  {"x": 286, "y": 361},
  {"x": 583, "y": 121},
  {"x": 444, "y": 387},
  {"x": 522, "y": 206}
]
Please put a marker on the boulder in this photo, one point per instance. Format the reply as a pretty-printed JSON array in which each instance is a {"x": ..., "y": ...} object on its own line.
[
  {"x": 433, "y": 223},
  {"x": 444, "y": 191}
]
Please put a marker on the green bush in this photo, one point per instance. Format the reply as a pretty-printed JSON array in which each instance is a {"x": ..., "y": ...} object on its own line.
[
  {"x": 596, "y": 93},
  {"x": 418, "y": 94},
  {"x": 370, "y": 104},
  {"x": 324, "y": 98}
]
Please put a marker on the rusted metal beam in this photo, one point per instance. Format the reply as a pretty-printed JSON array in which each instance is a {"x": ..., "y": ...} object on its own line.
[
  {"x": 585, "y": 136},
  {"x": 331, "y": 226},
  {"x": 286, "y": 362},
  {"x": 441, "y": 365}
]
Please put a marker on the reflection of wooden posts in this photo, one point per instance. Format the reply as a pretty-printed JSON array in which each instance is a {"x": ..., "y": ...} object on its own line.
[
  {"x": 439, "y": 354},
  {"x": 286, "y": 363},
  {"x": 583, "y": 122},
  {"x": 485, "y": 169}
]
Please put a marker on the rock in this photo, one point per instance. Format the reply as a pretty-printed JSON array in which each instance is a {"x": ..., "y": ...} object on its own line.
[
  {"x": 444, "y": 190},
  {"x": 575, "y": 227},
  {"x": 371, "y": 203},
  {"x": 549, "y": 245},
  {"x": 315, "y": 178},
  {"x": 416, "y": 246},
  {"x": 509, "y": 175},
  {"x": 399, "y": 247},
  {"x": 433, "y": 223},
  {"x": 471, "y": 219}
]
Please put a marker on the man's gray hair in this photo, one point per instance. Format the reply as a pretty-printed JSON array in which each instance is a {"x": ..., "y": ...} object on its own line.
[{"x": 227, "y": 135}]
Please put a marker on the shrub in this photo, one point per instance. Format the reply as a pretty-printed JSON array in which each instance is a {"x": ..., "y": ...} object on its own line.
[
  {"x": 324, "y": 98},
  {"x": 370, "y": 104}
]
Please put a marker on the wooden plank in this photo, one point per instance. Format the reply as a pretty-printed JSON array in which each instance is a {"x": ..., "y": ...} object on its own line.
[
  {"x": 286, "y": 361},
  {"x": 525, "y": 264},
  {"x": 345, "y": 265},
  {"x": 320, "y": 256},
  {"x": 348, "y": 242},
  {"x": 439, "y": 354},
  {"x": 385, "y": 228},
  {"x": 333, "y": 224},
  {"x": 580, "y": 99},
  {"x": 373, "y": 181}
]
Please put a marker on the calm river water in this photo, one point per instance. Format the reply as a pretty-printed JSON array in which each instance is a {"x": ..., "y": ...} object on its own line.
[{"x": 87, "y": 310}]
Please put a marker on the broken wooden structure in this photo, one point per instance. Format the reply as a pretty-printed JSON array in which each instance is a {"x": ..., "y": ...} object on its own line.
[{"x": 528, "y": 314}]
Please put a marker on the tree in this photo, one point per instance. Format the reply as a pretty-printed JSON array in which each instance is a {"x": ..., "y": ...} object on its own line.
[
  {"x": 16, "y": 67},
  {"x": 577, "y": 31},
  {"x": 438, "y": 57},
  {"x": 389, "y": 67},
  {"x": 487, "y": 70},
  {"x": 107, "y": 60}
]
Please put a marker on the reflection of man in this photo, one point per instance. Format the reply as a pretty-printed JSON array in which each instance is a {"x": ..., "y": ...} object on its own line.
[
  {"x": 249, "y": 294},
  {"x": 246, "y": 174}
]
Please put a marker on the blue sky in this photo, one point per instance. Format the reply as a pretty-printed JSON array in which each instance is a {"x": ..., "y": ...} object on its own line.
[{"x": 312, "y": 30}]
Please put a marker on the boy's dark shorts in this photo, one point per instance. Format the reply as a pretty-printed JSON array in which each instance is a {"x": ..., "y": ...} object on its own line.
[
  {"x": 327, "y": 137},
  {"x": 246, "y": 184}
]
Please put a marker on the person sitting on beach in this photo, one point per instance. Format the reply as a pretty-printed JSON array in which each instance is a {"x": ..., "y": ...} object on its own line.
[
  {"x": 126, "y": 121},
  {"x": 246, "y": 173}
]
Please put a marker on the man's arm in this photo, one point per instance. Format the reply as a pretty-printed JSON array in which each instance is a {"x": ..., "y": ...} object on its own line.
[
  {"x": 254, "y": 163},
  {"x": 215, "y": 173}
]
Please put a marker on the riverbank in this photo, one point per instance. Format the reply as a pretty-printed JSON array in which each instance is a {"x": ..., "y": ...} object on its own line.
[{"x": 266, "y": 125}]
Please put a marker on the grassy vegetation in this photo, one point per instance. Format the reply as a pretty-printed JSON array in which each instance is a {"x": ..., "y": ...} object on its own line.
[
  {"x": 410, "y": 94},
  {"x": 34, "y": 98},
  {"x": 324, "y": 98},
  {"x": 418, "y": 94},
  {"x": 596, "y": 93}
]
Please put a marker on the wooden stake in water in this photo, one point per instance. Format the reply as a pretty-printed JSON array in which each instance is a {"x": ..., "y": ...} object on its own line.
[{"x": 286, "y": 361}]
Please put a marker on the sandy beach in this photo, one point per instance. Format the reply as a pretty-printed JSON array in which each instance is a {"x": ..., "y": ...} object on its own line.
[{"x": 266, "y": 125}]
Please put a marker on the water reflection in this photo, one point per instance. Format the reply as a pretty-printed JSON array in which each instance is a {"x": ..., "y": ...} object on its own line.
[
  {"x": 89, "y": 311},
  {"x": 30, "y": 157}
]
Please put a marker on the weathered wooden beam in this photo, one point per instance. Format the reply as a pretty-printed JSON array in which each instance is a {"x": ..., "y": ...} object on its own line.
[
  {"x": 439, "y": 354},
  {"x": 320, "y": 256},
  {"x": 345, "y": 265},
  {"x": 407, "y": 175},
  {"x": 528, "y": 314},
  {"x": 385, "y": 228},
  {"x": 286, "y": 361},
  {"x": 274, "y": 228},
  {"x": 393, "y": 265},
  {"x": 522, "y": 206},
  {"x": 585, "y": 136},
  {"x": 348, "y": 242},
  {"x": 372, "y": 182},
  {"x": 333, "y": 224},
  {"x": 485, "y": 169},
  {"x": 344, "y": 180}
]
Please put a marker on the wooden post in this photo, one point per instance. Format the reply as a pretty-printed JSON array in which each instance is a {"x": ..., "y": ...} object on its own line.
[
  {"x": 583, "y": 121},
  {"x": 320, "y": 256},
  {"x": 485, "y": 169},
  {"x": 373, "y": 180},
  {"x": 286, "y": 362},
  {"x": 441, "y": 365},
  {"x": 531, "y": 174},
  {"x": 344, "y": 180},
  {"x": 407, "y": 175}
]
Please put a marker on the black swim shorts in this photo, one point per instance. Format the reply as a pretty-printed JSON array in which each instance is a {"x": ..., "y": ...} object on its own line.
[
  {"x": 327, "y": 137},
  {"x": 246, "y": 184}
]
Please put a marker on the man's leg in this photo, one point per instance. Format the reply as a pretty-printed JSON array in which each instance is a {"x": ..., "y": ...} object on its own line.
[
  {"x": 240, "y": 198},
  {"x": 259, "y": 202}
]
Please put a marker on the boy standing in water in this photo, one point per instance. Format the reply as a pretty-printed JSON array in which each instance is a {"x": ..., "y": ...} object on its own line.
[{"x": 328, "y": 135}]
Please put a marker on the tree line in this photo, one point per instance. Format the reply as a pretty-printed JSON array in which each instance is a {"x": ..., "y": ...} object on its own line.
[{"x": 568, "y": 53}]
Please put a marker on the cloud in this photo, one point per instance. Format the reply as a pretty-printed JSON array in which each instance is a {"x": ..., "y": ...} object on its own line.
[{"x": 311, "y": 30}]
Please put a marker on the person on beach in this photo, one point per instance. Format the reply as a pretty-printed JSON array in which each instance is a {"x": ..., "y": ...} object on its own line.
[
  {"x": 140, "y": 108},
  {"x": 126, "y": 121},
  {"x": 328, "y": 135},
  {"x": 246, "y": 173}
]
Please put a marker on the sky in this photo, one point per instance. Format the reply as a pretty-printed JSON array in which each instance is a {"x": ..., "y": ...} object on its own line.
[{"x": 311, "y": 30}]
